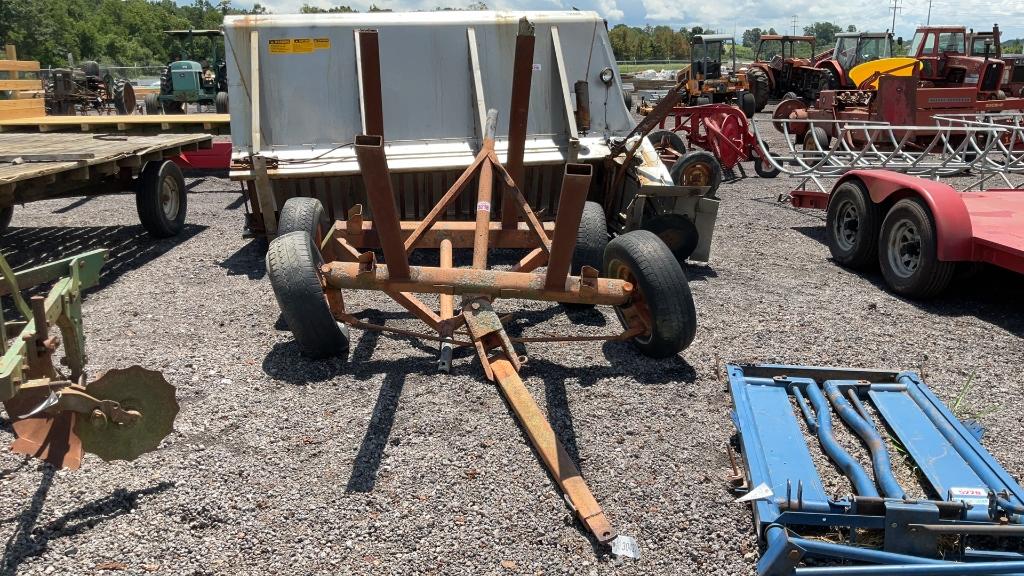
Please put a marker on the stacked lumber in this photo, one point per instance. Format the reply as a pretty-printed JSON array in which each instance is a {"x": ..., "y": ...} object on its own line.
[{"x": 21, "y": 90}]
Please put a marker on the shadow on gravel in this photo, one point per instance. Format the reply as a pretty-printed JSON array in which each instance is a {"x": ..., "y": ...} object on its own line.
[
  {"x": 130, "y": 246},
  {"x": 986, "y": 292},
  {"x": 249, "y": 260},
  {"x": 28, "y": 540}
]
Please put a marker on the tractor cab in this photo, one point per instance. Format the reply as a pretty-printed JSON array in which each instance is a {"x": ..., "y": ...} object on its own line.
[
  {"x": 707, "y": 79},
  {"x": 192, "y": 80},
  {"x": 707, "y": 53},
  {"x": 946, "y": 62},
  {"x": 984, "y": 44},
  {"x": 853, "y": 49}
]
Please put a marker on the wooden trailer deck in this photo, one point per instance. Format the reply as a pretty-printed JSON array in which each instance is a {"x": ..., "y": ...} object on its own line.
[
  {"x": 35, "y": 166},
  {"x": 215, "y": 124}
]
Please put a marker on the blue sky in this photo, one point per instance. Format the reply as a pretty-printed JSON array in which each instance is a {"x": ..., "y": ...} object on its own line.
[{"x": 738, "y": 14}]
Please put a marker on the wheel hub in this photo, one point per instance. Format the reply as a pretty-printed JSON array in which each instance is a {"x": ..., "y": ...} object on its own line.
[
  {"x": 697, "y": 175},
  {"x": 904, "y": 249},
  {"x": 170, "y": 198},
  {"x": 847, "y": 225}
]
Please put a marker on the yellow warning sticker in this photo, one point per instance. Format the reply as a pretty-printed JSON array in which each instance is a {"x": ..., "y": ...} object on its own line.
[
  {"x": 322, "y": 43},
  {"x": 281, "y": 46},
  {"x": 302, "y": 45}
]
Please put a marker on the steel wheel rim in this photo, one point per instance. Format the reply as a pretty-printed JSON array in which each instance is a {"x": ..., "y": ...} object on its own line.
[
  {"x": 697, "y": 175},
  {"x": 619, "y": 270},
  {"x": 170, "y": 198},
  {"x": 846, "y": 226},
  {"x": 904, "y": 252}
]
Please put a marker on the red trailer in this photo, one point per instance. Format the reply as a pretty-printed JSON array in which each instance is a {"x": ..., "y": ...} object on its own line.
[{"x": 918, "y": 230}]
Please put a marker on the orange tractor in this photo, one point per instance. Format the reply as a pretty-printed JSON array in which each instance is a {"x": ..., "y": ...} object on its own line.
[{"x": 783, "y": 68}]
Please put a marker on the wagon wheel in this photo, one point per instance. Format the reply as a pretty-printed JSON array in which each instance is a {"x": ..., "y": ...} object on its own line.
[
  {"x": 698, "y": 168},
  {"x": 661, "y": 301}
]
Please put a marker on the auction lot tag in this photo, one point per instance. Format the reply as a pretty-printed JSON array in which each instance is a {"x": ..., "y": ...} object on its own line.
[
  {"x": 972, "y": 496},
  {"x": 625, "y": 546}
]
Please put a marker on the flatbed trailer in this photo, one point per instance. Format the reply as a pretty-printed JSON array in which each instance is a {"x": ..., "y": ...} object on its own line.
[
  {"x": 40, "y": 166},
  {"x": 918, "y": 230},
  {"x": 214, "y": 124}
]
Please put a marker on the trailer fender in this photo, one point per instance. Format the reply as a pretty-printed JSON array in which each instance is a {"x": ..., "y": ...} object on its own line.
[{"x": 952, "y": 221}]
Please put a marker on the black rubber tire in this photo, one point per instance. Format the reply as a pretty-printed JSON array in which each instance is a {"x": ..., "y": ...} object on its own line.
[
  {"x": 711, "y": 167},
  {"x": 675, "y": 140},
  {"x": 90, "y": 68},
  {"x": 790, "y": 96},
  {"x": 150, "y": 195},
  {"x": 748, "y": 104},
  {"x": 220, "y": 102},
  {"x": 678, "y": 232},
  {"x": 591, "y": 241},
  {"x": 6, "y": 215},
  {"x": 851, "y": 226},
  {"x": 831, "y": 79},
  {"x": 152, "y": 104},
  {"x": 293, "y": 263},
  {"x": 817, "y": 140},
  {"x": 662, "y": 284},
  {"x": 702, "y": 100},
  {"x": 306, "y": 215},
  {"x": 759, "y": 87},
  {"x": 124, "y": 97},
  {"x": 627, "y": 99},
  {"x": 174, "y": 107},
  {"x": 931, "y": 275}
]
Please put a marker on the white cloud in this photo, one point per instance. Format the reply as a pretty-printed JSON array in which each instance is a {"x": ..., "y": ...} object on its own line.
[{"x": 610, "y": 10}]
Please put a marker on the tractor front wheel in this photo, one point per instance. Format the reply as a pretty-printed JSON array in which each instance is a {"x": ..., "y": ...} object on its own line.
[
  {"x": 221, "y": 102},
  {"x": 161, "y": 199},
  {"x": 748, "y": 104},
  {"x": 152, "y": 103},
  {"x": 293, "y": 265},
  {"x": 661, "y": 300}
]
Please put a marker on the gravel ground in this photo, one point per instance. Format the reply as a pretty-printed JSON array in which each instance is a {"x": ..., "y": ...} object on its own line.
[{"x": 281, "y": 465}]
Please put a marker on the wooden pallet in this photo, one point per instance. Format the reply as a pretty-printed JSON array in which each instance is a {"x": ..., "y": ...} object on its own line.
[
  {"x": 20, "y": 87},
  {"x": 38, "y": 166},
  {"x": 216, "y": 124}
]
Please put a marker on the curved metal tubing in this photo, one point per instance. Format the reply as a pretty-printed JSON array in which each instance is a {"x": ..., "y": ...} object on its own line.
[{"x": 862, "y": 483}]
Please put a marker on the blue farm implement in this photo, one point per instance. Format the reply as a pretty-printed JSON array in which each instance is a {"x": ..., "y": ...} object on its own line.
[{"x": 969, "y": 522}]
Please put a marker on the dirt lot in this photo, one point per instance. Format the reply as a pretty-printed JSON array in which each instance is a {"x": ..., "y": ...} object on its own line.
[{"x": 378, "y": 465}]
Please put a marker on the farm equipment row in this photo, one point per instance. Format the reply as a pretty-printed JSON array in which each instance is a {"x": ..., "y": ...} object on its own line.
[{"x": 85, "y": 89}]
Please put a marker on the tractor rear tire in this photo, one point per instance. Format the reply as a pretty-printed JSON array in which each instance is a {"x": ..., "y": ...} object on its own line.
[
  {"x": 748, "y": 104},
  {"x": 293, "y": 265},
  {"x": 661, "y": 287},
  {"x": 678, "y": 232},
  {"x": 152, "y": 104},
  {"x": 851, "y": 226},
  {"x": 908, "y": 251},
  {"x": 161, "y": 199},
  {"x": 6, "y": 215},
  {"x": 305, "y": 215},
  {"x": 591, "y": 241},
  {"x": 698, "y": 168},
  {"x": 124, "y": 97},
  {"x": 759, "y": 87},
  {"x": 220, "y": 102},
  {"x": 674, "y": 140}
]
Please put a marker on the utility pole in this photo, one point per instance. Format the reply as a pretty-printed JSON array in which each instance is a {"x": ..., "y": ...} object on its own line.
[
  {"x": 794, "y": 24},
  {"x": 929, "y": 21},
  {"x": 896, "y": 8}
]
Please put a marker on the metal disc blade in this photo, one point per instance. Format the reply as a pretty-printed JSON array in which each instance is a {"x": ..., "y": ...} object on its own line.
[
  {"x": 135, "y": 388},
  {"x": 50, "y": 438}
]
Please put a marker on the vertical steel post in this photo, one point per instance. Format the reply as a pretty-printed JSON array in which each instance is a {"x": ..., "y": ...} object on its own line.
[
  {"x": 377, "y": 178},
  {"x": 369, "y": 80},
  {"x": 575, "y": 186},
  {"x": 519, "y": 112},
  {"x": 484, "y": 194},
  {"x": 444, "y": 360}
]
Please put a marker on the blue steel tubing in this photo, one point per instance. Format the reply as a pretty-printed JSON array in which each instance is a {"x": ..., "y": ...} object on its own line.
[
  {"x": 962, "y": 447},
  {"x": 879, "y": 453},
  {"x": 862, "y": 484},
  {"x": 805, "y": 409},
  {"x": 945, "y": 569},
  {"x": 852, "y": 395},
  {"x": 821, "y": 549}
]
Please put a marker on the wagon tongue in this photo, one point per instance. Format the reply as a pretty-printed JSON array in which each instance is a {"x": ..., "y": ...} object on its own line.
[{"x": 119, "y": 416}]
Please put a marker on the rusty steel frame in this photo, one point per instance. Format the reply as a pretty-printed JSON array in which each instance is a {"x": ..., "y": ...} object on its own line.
[{"x": 350, "y": 262}]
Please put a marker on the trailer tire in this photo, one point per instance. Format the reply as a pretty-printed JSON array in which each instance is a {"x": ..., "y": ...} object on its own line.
[
  {"x": 152, "y": 103},
  {"x": 6, "y": 215},
  {"x": 305, "y": 215},
  {"x": 161, "y": 199},
  {"x": 220, "y": 102},
  {"x": 293, "y": 264},
  {"x": 591, "y": 241},
  {"x": 851, "y": 226},
  {"x": 661, "y": 288},
  {"x": 678, "y": 232},
  {"x": 674, "y": 140},
  {"x": 759, "y": 87},
  {"x": 908, "y": 251},
  {"x": 698, "y": 168},
  {"x": 748, "y": 104}
]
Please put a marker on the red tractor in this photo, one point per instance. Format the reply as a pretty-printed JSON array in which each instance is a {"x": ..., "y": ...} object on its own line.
[
  {"x": 946, "y": 62},
  {"x": 783, "y": 68},
  {"x": 1013, "y": 75},
  {"x": 851, "y": 50}
]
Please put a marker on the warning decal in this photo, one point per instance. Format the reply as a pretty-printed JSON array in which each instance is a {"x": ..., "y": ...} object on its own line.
[
  {"x": 322, "y": 43},
  {"x": 281, "y": 46},
  {"x": 298, "y": 45},
  {"x": 302, "y": 45}
]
